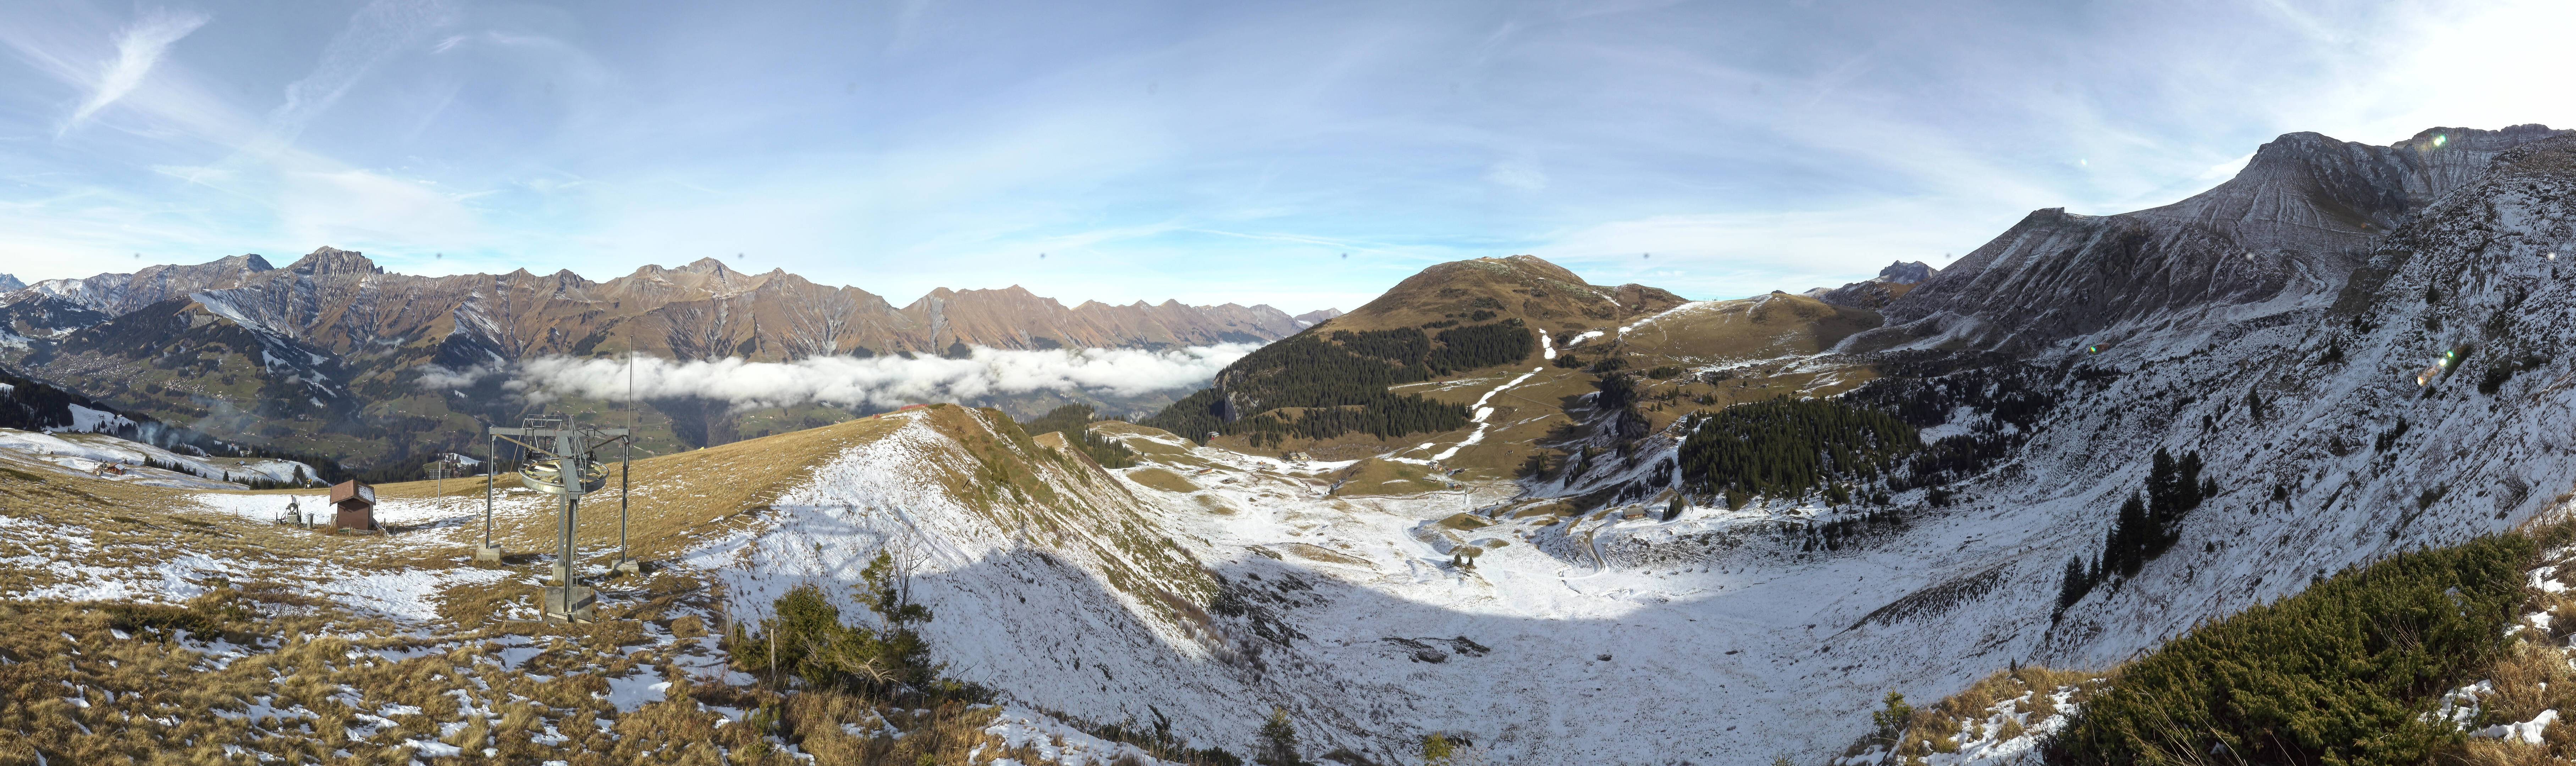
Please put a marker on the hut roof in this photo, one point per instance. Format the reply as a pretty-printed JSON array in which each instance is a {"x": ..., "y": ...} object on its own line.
[{"x": 347, "y": 490}]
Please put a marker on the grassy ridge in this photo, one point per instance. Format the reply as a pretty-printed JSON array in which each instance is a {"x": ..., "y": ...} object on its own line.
[{"x": 1074, "y": 421}]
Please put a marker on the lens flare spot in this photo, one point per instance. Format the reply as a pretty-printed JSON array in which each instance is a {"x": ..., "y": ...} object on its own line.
[{"x": 2439, "y": 140}]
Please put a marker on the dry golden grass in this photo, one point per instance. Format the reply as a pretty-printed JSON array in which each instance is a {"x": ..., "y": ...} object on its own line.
[
  {"x": 2533, "y": 674},
  {"x": 1465, "y": 522},
  {"x": 1752, "y": 328},
  {"x": 297, "y": 682},
  {"x": 309, "y": 684},
  {"x": 305, "y": 679},
  {"x": 1161, "y": 479},
  {"x": 1150, "y": 444},
  {"x": 1374, "y": 477},
  {"x": 1312, "y": 552},
  {"x": 2032, "y": 689},
  {"x": 1972, "y": 714},
  {"x": 695, "y": 491},
  {"x": 690, "y": 491},
  {"x": 1214, "y": 504}
]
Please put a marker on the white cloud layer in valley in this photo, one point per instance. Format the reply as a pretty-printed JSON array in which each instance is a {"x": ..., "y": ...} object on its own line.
[{"x": 877, "y": 381}]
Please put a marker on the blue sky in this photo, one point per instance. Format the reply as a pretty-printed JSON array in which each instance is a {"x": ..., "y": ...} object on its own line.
[{"x": 1208, "y": 152}]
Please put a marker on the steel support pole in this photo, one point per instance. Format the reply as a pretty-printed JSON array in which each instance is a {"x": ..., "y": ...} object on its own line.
[
  {"x": 625, "y": 464},
  {"x": 491, "y": 466},
  {"x": 568, "y": 450}
]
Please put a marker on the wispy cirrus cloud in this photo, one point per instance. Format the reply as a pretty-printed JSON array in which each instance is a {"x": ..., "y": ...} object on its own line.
[
  {"x": 138, "y": 47},
  {"x": 1161, "y": 149}
]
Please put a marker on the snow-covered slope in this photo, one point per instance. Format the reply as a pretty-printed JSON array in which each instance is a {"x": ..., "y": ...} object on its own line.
[
  {"x": 1718, "y": 647},
  {"x": 1196, "y": 591},
  {"x": 1615, "y": 636},
  {"x": 2346, "y": 460},
  {"x": 108, "y": 457}
]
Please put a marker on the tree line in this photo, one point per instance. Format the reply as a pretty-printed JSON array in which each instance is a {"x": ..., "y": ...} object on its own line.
[
  {"x": 1787, "y": 447},
  {"x": 1343, "y": 377},
  {"x": 1479, "y": 346},
  {"x": 1400, "y": 416},
  {"x": 1924, "y": 392}
]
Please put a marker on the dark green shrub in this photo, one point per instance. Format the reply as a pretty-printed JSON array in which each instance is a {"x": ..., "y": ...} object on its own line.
[
  {"x": 2340, "y": 674},
  {"x": 806, "y": 639},
  {"x": 2497, "y": 375}
]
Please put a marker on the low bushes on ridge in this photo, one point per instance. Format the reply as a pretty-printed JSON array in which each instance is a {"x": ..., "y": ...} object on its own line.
[{"x": 2342, "y": 673}]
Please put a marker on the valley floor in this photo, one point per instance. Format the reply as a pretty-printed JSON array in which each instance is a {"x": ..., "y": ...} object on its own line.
[{"x": 1610, "y": 636}]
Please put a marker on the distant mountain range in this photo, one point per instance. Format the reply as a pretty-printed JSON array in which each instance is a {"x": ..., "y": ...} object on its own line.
[
  {"x": 327, "y": 353},
  {"x": 340, "y": 299}
]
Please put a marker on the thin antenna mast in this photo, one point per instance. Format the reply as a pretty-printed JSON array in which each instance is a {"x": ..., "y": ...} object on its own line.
[{"x": 626, "y": 461}]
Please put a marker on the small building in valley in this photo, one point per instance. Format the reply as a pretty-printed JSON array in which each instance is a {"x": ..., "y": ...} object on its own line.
[{"x": 356, "y": 503}]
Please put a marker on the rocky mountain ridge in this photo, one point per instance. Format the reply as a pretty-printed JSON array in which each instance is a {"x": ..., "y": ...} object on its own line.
[
  {"x": 1891, "y": 283},
  {"x": 693, "y": 311},
  {"x": 334, "y": 354},
  {"x": 1316, "y": 317},
  {"x": 2293, "y": 226}
]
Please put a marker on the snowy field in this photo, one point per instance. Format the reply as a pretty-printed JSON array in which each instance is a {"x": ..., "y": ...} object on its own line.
[
  {"x": 1713, "y": 638},
  {"x": 1534, "y": 655},
  {"x": 86, "y": 453}
]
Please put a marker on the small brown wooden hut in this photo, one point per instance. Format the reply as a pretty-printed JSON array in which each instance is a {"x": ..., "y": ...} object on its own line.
[{"x": 356, "y": 503}]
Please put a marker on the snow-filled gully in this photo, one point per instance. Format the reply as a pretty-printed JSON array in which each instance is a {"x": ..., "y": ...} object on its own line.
[{"x": 1483, "y": 413}]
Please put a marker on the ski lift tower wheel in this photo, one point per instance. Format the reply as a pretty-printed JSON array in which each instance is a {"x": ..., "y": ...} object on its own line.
[{"x": 566, "y": 470}]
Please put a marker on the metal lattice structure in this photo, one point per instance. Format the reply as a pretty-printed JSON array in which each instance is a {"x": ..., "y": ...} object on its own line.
[{"x": 560, "y": 460}]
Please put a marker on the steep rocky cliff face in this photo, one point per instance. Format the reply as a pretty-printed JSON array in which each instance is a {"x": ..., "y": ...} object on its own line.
[{"x": 2287, "y": 231}]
